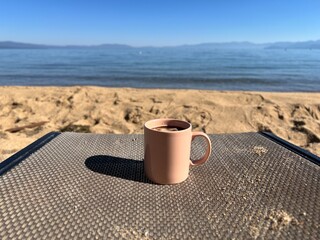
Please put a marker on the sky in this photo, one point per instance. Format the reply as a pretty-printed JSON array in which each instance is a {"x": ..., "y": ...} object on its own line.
[{"x": 158, "y": 22}]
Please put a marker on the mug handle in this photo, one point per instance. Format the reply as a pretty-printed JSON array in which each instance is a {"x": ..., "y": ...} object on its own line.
[{"x": 208, "y": 151}]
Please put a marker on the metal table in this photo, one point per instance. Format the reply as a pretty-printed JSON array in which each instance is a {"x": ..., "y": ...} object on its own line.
[{"x": 74, "y": 185}]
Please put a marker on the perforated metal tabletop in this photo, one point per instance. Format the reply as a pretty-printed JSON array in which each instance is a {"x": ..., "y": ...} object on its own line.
[{"x": 75, "y": 186}]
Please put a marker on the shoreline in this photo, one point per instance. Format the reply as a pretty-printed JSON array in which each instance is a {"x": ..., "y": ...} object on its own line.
[
  {"x": 293, "y": 116},
  {"x": 156, "y": 88}
]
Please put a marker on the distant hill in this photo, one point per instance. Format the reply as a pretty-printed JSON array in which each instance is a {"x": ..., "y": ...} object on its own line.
[
  {"x": 295, "y": 45},
  {"x": 223, "y": 45},
  {"x": 113, "y": 46},
  {"x": 226, "y": 45},
  {"x": 108, "y": 46},
  {"x": 246, "y": 45},
  {"x": 18, "y": 45}
]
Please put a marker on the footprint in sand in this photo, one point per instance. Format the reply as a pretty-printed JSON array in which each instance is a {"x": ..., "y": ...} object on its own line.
[{"x": 133, "y": 115}]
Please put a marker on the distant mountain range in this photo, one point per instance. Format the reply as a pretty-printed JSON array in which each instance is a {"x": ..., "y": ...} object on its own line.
[
  {"x": 226, "y": 45},
  {"x": 19, "y": 45},
  {"x": 295, "y": 45}
]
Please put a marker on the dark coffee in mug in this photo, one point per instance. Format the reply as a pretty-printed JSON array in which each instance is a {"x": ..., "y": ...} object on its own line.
[{"x": 167, "y": 129}]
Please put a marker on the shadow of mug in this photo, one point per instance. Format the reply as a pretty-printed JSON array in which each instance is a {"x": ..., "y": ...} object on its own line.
[{"x": 124, "y": 168}]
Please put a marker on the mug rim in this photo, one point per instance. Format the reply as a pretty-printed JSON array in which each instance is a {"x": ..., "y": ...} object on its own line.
[{"x": 151, "y": 124}]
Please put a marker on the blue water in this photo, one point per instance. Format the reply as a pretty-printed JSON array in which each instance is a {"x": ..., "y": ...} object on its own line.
[{"x": 220, "y": 69}]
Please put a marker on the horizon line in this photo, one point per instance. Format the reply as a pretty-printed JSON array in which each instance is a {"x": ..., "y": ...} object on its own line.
[{"x": 148, "y": 45}]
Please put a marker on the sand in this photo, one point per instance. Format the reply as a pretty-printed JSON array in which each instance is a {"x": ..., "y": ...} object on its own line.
[{"x": 31, "y": 112}]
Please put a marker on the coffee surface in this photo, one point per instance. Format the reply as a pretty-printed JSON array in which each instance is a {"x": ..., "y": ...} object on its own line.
[{"x": 168, "y": 129}]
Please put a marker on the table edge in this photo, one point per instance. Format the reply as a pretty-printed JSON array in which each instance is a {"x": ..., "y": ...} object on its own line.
[
  {"x": 298, "y": 150},
  {"x": 18, "y": 157}
]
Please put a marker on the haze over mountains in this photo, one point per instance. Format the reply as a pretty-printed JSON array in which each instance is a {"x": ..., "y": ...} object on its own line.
[
  {"x": 19, "y": 45},
  {"x": 222, "y": 45}
]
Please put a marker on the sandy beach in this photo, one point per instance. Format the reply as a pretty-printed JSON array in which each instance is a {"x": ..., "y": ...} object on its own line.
[{"x": 27, "y": 113}]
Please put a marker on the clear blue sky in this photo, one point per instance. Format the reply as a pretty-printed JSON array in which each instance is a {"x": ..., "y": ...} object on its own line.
[{"x": 158, "y": 22}]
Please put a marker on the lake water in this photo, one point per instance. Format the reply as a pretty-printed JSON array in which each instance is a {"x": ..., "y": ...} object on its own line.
[{"x": 220, "y": 69}]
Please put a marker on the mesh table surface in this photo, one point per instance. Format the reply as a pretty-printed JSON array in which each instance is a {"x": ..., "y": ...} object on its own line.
[{"x": 93, "y": 186}]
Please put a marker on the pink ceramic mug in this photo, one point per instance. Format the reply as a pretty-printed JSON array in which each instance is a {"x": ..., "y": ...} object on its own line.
[{"x": 167, "y": 146}]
